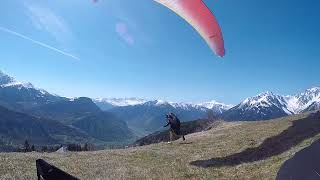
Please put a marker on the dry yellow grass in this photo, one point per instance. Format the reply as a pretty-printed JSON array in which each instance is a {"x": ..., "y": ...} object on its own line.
[{"x": 168, "y": 161}]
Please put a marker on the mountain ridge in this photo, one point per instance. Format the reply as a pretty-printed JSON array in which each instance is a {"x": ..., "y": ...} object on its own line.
[
  {"x": 146, "y": 116},
  {"x": 269, "y": 105}
]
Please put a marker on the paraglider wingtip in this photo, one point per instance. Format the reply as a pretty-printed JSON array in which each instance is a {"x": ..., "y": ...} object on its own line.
[{"x": 221, "y": 55}]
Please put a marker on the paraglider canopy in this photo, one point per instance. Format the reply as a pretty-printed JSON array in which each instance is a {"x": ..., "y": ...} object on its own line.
[
  {"x": 196, "y": 13},
  {"x": 199, "y": 16}
]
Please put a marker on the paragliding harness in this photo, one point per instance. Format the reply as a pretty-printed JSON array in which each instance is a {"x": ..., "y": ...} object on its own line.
[
  {"x": 46, "y": 171},
  {"x": 174, "y": 123}
]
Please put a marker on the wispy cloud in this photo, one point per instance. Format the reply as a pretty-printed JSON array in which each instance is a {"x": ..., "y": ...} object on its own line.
[
  {"x": 122, "y": 30},
  {"x": 3, "y": 29},
  {"x": 45, "y": 19}
]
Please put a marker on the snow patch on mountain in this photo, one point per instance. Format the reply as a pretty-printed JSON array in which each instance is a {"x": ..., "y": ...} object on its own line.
[
  {"x": 213, "y": 104},
  {"x": 300, "y": 102},
  {"x": 19, "y": 85},
  {"x": 217, "y": 107},
  {"x": 187, "y": 106},
  {"x": 309, "y": 97},
  {"x": 121, "y": 101},
  {"x": 7, "y": 81},
  {"x": 161, "y": 102},
  {"x": 261, "y": 100},
  {"x": 292, "y": 104}
]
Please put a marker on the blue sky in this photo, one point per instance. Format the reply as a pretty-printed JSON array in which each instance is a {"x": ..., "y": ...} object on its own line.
[{"x": 121, "y": 48}]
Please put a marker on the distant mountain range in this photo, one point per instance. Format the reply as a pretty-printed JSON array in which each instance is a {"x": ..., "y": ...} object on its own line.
[
  {"x": 148, "y": 115},
  {"x": 269, "y": 105},
  {"x": 145, "y": 117},
  {"x": 63, "y": 120},
  {"x": 110, "y": 103}
]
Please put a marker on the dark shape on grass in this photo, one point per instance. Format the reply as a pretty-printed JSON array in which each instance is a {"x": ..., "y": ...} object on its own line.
[
  {"x": 305, "y": 164},
  {"x": 186, "y": 128},
  {"x": 46, "y": 171},
  {"x": 186, "y": 143},
  {"x": 299, "y": 131}
]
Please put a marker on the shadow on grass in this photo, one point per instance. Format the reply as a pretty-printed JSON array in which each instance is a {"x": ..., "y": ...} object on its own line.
[
  {"x": 186, "y": 143},
  {"x": 299, "y": 131}
]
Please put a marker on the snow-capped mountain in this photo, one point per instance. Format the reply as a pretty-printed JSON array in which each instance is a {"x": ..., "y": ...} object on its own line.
[
  {"x": 313, "y": 107},
  {"x": 187, "y": 106},
  {"x": 301, "y": 102},
  {"x": 122, "y": 101},
  {"x": 266, "y": 100},
  {"x": 216, "y": 107},
  {"x": 7, "y": 81},
  {"x": 263, "y": 106},
  {"x": 109, "y": 103},
  {"x": 269, "y": 105},
  {"x": 21, "y": 96}
]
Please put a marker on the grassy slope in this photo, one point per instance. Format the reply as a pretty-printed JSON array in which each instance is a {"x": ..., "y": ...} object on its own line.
[{"x": 169, "y": 161}]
